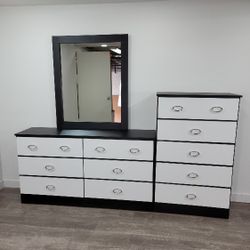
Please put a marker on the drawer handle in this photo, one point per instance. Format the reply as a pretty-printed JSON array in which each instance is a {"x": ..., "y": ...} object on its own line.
[
  {"x": 32, "y": 147},
  {"x": 134, "y": 150},
  {"x": 65, "y": 148},
  {"x": 50, "y": 168},
  {"x": 117, "y": 170},
  {"x": 194, "y": 153},
  {"x": 100, "y": 149},
  {"x": 195, "y": 131},
  {"x": 177, "y": 108},
  {"x": 192, "y": 175},
  {"x": 191, "y": 196},
  {"x": 216, "y": 109},
  {"x": 51, "y": 188},
  {"x": 117, "y": 191}
]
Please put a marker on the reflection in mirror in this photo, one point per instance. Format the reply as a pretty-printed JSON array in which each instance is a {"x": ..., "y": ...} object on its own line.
[{"x": 91, "y": 82}]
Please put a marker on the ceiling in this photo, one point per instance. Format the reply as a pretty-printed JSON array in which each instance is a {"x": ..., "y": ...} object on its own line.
[{"x": 56, "y": 2}]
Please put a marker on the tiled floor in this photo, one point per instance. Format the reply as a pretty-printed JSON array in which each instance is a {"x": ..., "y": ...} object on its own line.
[{"x": 36, "y": 227}]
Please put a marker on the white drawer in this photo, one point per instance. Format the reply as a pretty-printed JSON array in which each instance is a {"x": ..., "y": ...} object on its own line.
[
  {"x": 51, "y": 186},
  {"x": 119, "y": 190},
  {"x": 118, "y": 170},
  {"x": 193, "y": 174},
  {"x": 207, "y": 131},
  {"x": 50, "y": 166},
  {"x": 118, "y": 149},
  {"x": 65, "y": 147},
  {"x": 198, "y": 108},
  {"x": 217, "y": 154},
  {"x": 195, "y": 196}
]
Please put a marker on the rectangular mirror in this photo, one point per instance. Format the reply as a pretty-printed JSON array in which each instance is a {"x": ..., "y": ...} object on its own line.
[{"x": 91, "y": 85}]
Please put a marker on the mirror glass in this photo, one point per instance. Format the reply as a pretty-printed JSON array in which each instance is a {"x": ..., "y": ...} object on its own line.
[{"x": 91, "y": 82}]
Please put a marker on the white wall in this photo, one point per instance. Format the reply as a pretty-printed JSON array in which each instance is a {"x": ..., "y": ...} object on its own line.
[
  {"x": 116, "y": 81},
  {"x": 177, "y": 45},
  {"x": 69, "y": 89}
]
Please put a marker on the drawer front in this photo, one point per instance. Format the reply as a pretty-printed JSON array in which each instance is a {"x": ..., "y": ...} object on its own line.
[
  {"x": 206, "y": 131},
  {"x": 118, "y": 170},
  {"x": 51, "y": 186},
  {"x": 194, "y": 174},
  {"x": 64, "y": 147},
  {"x": 118, "y": 149},
  {"x": 198, "y": 108},
  {"x": 195, "y": 196},
  {"x": 118, "y": 190},
  {"x": 50, "y": 166},
  {"x": 217, "y": 154}
]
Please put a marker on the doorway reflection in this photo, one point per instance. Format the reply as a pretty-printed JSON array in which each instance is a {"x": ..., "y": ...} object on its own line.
[{"x": 91, "y": 82}]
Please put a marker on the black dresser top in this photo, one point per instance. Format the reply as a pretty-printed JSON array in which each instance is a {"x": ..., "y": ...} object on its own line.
[
  {"x": 131, "y": 134},
  {"x": 198, "y": 94}
]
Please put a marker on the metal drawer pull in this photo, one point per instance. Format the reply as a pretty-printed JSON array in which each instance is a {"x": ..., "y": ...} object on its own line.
[
  {"x": 194, "y": 153},
  {"x": 65, "y": 148},
  {"x": 216, "y": 109},
  {"x": 192, "y": 175},
  {"x": 100, "y": 149},
  {"x": 195, "y": 131},
  {"x": 117, "y": 191},
  {"x": 134, "y": 150},
  {"x": 191, "y": 196},
  {"x": 51, "y": 188},
  {"x": 50, "y": 168},
  {"x": 32, "y": 147},
  {"x": 177, "y": 108},
  {"x": 117, "y": 170}
]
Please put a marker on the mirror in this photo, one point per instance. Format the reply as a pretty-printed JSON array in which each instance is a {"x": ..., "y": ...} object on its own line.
[{"x": 91, "y": 85}]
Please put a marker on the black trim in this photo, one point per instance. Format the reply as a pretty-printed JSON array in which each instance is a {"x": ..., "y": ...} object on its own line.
[
  {"x": 125, "y": 205},
  {"x": 155, "y": 150},
  {"x": 198, "y": 164},
  {"x": 206, "y": 142},
  {"x": 193, "y": 185},
  {"x": 131, "y": 134},
  {"x": 57, "y": 157},
  {"x": 87, "y": 158},
  {"x": 112, "y": 159},
  {"x": 198, "y": 94},
  {"x": 82, "y": 158},
  {"x": 190, "y": 119},
  {"x": 191, "y": 163},
  {"x": 84, "y": 178},
  {"x": 192, "y": 210},
  {"x": 57, "y": 41},
  {"x": 87, "y": 202},
  {"x": 50, "y": 176},
  {"x": 117, "y": 180}
]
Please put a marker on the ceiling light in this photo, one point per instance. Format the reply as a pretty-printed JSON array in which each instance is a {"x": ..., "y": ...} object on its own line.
[
  {"x": 117, "y": 50},
  {"x": 104, "y": 45}
]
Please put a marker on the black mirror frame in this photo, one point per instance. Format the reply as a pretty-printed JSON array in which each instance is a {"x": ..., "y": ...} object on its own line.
[{"x": 57, "y": 41}]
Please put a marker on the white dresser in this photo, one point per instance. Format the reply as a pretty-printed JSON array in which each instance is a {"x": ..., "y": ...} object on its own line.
[
  {"x": 90, "y": 165},
  {"x": 186, "y": 167},
  {"x": 196, "y": 136}
]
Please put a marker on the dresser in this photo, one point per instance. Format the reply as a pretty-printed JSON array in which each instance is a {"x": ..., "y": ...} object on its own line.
[
  {"x": 196, "y": 136},
  {"x": 185, "y": 166},
  {"x": 86, "y": 167}
]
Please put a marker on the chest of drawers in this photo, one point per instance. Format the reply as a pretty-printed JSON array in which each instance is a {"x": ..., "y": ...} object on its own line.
[
  {"x": 91, "y": 166},
  {"x": 196, "y": 136}
]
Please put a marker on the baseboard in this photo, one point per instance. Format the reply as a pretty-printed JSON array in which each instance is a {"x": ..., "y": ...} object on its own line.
[
  {"x": 11, "y": 183},
  {"x": 240, "y": 197},
  {"x": 1, "y": 184}
]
